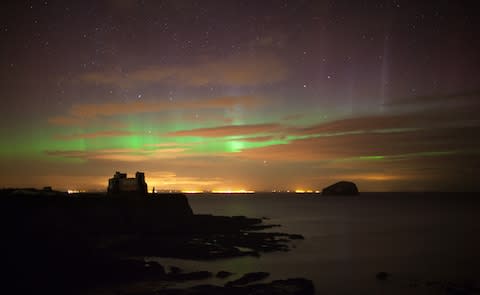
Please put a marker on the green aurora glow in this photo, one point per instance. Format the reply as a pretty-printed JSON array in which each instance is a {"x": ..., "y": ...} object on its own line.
[{"x": 256, "y": 97}]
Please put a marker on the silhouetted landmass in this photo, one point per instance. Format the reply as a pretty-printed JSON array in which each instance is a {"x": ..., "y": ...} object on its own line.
[
  {"x": 279, "y": 287},
  {"x": 248, "y": 278},
  {"x": 460, "y": 287},
  {"x": 341, "y": 188},
  {"x": 68, "y": 244},
  {"x": 223, "y": 274},
  {"x": 382, "y": 276}
]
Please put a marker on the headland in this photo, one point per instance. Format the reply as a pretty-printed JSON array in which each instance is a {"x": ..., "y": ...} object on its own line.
[{"x": 82, "y": 243}]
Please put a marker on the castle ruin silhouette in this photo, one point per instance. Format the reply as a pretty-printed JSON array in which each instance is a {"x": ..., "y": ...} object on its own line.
[{"x": 120, "y": 184}]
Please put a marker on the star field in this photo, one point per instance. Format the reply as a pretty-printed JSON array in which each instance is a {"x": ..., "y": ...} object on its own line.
[{"x": 257, "y": 95}]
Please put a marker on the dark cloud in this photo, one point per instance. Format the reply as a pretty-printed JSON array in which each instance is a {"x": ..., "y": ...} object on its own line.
[
  {"x": 80, "y": 112},
  {"x": 243, "y": 70},
  {"x": 459, "y": 98},
  {"x": 231, "y": 130}
]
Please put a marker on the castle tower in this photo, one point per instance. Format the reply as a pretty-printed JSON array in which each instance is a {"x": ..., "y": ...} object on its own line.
[
  {"x": 142, "y": 185},
  {"x": 120, "y": 184}
]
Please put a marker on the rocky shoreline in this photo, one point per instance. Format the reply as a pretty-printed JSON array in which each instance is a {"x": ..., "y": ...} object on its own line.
[
  {"x": 58, "y": 245},
  {"x": 155, "y": 279}
]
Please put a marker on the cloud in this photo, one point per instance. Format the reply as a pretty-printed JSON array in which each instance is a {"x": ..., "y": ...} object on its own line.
[
  {"x": 367, "y": 123},
  {"x": 260, "y": 138},
  {"x": 231, "y": 130},
  {"x": 170, "y": 180},
  {"x": 99, "y": 134},
  {"x": 235, "y": 70},
  {"x": 436, "y": 118},
  {"x": 121, "y": 155},
  {"x": 169, "y": 144},
  {"x": 466, "y": 97},
  {"x": 203, "y": 117},
  {"x": 65, "y": 121},
  {"x": 72, "y": 121},
  {"x": 78, "y": 114},
  {"x": 369, "y": 144},
  {"x": 293, "y": 117},
  {"x": 432, "y": 131}
]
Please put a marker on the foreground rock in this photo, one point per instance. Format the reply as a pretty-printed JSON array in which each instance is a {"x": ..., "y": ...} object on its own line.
[
  {"x": 382, "y": 276},
  {"x": 60, "y": 244},
  {"x": 223, "y": 274},
  {"x": 461, "y": 287},
  {"x": 196, "y": 275},
  {"x": 342, "y": 188},
  {"x": 279, "y": 287},
  {"x": 248, "y": 278}
]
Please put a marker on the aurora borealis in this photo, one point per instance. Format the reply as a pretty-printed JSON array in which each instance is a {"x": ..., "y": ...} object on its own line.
[{"x": 254, "y": 95}]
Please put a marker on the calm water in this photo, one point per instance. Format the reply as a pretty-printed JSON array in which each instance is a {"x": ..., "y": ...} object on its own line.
[{"x": 349, "y": 239}]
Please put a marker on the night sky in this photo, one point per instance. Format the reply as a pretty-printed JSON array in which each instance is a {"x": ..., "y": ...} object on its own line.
[{"x": 230, "y": 95}]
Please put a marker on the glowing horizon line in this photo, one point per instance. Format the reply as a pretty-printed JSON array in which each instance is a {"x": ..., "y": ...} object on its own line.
[
  {"x": 308, "y": 191},
  {"x": 241, "y": 191}
]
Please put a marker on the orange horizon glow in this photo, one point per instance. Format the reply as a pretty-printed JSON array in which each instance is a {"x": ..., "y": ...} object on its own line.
[
  {"x": 228, "y": 191},
  {"x": 170, "y": 181},
  {"x": 306, "y": 191}
]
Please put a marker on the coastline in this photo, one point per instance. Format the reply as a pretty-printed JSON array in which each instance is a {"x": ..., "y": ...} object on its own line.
[
  {"x": 60, "y": 243},
  {"x": 425, "y": 243}
]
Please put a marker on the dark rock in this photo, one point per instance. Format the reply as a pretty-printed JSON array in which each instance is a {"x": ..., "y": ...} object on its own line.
[
  {"x": 457, "y": 291},
  {"x": 344, "y": 188},
  {"x": 206, "y": 289},
  {"x": 97, "y": 233},
  {"x": 279, "y": 287},
  {"x": 248, "y": 278},
  {"x": 296, "y": 237},
  {"x": 156, "y": 267},
  {"x": 223, "y": 274},
  {"x": 283, "y": 287},
  {"x": 175, "y": 270},
  {"x": 462, "y": 288},
  {"x": 196, "y": 275},
  {"x": 382, "y": 276}
]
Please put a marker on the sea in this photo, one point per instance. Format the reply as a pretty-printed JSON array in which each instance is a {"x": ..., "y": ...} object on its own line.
[{"x": 425, "y": 241}]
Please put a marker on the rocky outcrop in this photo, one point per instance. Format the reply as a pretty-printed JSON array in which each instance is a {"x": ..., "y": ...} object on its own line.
[
  {"x": 342, "y": 188},
  {"x": 248, "y": 278},
  {"x": 279, "y": 287},
  {"x": 84, "y": 242},
  {"x": 223, "y": 274},
  {"x": 97, "y": 212},
  {"x": 382, "y": 276}
]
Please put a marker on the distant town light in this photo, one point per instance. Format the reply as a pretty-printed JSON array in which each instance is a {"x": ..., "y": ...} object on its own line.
[
  {"x": 240, "y": 191},
  {"x": 305, "y": 191}
]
